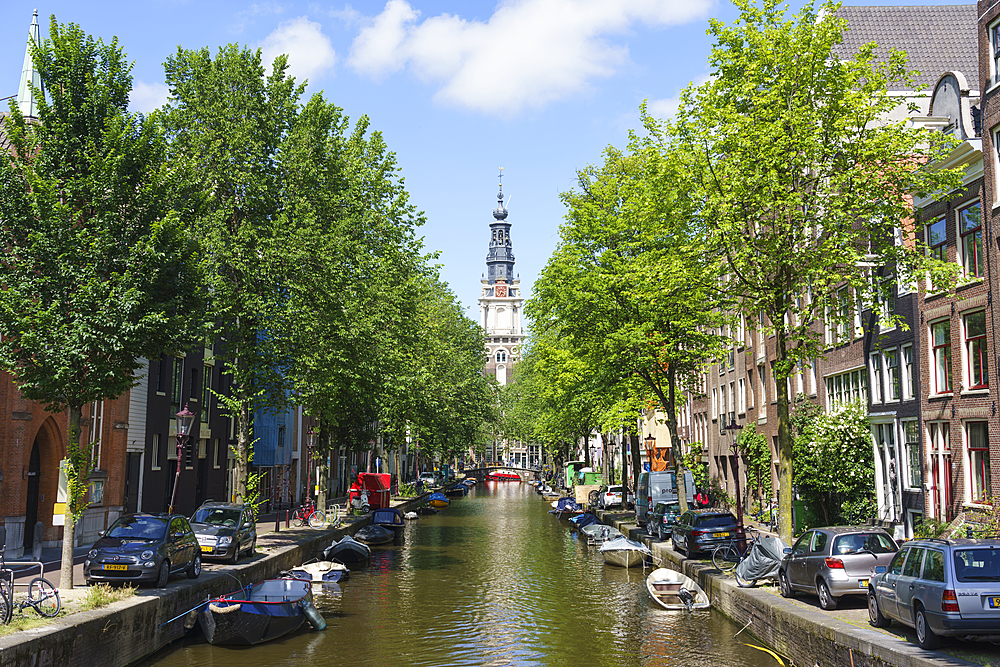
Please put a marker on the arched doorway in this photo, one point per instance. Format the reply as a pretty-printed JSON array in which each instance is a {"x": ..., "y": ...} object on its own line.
[{"x": 31, "y": 502}]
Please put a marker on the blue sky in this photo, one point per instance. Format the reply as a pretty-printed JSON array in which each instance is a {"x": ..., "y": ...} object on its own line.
[{"x": 458, "y": 88}]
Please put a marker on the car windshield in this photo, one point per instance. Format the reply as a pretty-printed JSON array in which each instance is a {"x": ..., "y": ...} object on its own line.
[
  {"x": 716, "y": 521},
  {"x": 977, "y": 565},
  {"x": 217, "y": 516},
  {"x": 876, "y": 543},
  {"x": 138, "y": 527}
]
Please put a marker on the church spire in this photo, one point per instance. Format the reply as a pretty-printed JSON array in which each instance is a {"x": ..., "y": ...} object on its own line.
[
  {"x": 25, "y": 100},
  {"x": 500, "y": 258}
]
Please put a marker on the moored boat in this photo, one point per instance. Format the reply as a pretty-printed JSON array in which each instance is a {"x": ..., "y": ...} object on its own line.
[
  {"x": 585, "y": 519},
  {"x": 374, "y": 535},
  {"x": 321, "y": 572},
  {"x": 438, "y": 500},
  {"x": 503, "y": 475},
  {"x": 347, "y": 550},
  {"x": 675, "y": 591},
  {"x": 598, "y": 533},
  {"x": 456, "y": 490},
  {"x": 624, "y": 552},
  {"x": 260, "y": 613},
  {"x": 389, "y": 517}
]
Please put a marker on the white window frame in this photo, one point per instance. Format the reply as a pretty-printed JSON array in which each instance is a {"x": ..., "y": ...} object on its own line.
[
  {"x": 993, "y": 36},
  {"x": 761, "y": 370},
  {"x": 875, "y": 387},
  {"x": 967, "y": 458},
  {"x": 715, "y": 403},
  {"x": 750, "y": 388},
  {"x": 907, "y": 372},
  {"x": 887, "y": 378},
  {"x": 154, "y": 457},
  {"x": 967, "y": 356},
  {"x": 743, "y": 396},
  {"x": 995, "y": 136}
]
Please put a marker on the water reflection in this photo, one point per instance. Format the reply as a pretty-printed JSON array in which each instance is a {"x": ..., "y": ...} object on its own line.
[{"x": 492, "y": 580}]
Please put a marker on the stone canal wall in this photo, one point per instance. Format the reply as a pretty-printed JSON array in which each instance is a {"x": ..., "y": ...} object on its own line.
[
  {"x": 128, "y": 631},
  {"x": 810, "y": 638}
]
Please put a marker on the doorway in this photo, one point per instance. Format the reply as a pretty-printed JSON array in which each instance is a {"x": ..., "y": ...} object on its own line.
[
  {"x": 133, "y": 467},
  {"x": 31, "y": 503}
]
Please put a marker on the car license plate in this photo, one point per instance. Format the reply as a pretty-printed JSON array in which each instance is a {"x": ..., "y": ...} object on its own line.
[
  {"x": 115, "y": 566},
  {"x": 720, "y": 534},
  {"x": 863, "y": 583},
  {"x": 994, "y": 601},
  {"x": 206, "y": 548}
]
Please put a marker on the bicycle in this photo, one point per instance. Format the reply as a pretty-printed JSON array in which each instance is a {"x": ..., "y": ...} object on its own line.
[
  {"x": 309, "y": 515},
  {"x": 42, "y": 596},
  {"x": 726, "y": 556}
]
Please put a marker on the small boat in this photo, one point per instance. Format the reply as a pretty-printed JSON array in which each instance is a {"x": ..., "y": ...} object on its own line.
[
  {"x": 624, "y": 552},
  {"x": 585, "y": 519},
  {"x": 565, "y": 508},
  {"x": 457, "y": 490},
  {"x": 675, "y": 591},
  {"x": 438, "y": 500},
  {"x": 502, "y": 475},
  {"x": 374, "y": 535},
  {"x": 411, "y": 516},
  {"x": 469, "y": 482},
  {"x": 321, "y": 572},
  {"x": 551, "y": 493},
  {"x": 348, "y": 550},
  {"x": 259, "y": 613},
  {"x": 389, "y": 517},
  {"x": 598, "y": 533}
]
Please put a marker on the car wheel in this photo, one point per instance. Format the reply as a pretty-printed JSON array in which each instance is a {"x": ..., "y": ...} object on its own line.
[
  {"x": 875, "y": 616},
  {"x": 785, "y": 586},
  {"x": 688, "y": 549},
  {"x": 164, "y": 576},
  {"x": 195, "y": 568},
  {"x": 253, "y": 547},
  {"x": 925, "y": 636},
  {"x": 235, "y": 558},
  {"x": 826, "y": 600},
  {"x": 659, "y": 532}
]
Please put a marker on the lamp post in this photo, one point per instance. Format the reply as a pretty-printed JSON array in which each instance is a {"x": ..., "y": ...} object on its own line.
[
  {"x": 185, "y": 419},
  {"x": 310, "y": 448},
  {"x": 733, "y": 427},
  {"x": 650, "y": 442}
]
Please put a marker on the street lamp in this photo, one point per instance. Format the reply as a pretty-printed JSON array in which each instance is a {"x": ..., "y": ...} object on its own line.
[
  {"x": 740, "y": 533},
  {"x": 310, "y": 448},
  {"x": 185, "y": 419}
]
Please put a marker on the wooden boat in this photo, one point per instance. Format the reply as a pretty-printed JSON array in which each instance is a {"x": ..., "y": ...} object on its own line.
[
  {"x": 389, "y": 517},
  {"x": 675, "y": 591},
  {"x": 260, "y": 613},
  {"x": 374, "y": 535},
  {"x": 438, "y": 500},
  {"x": 321, "y": 572},
  {"x": 624, "y": 552},
  {"x": 348, "y": 550},
  {"x": 503, "y": 476}
]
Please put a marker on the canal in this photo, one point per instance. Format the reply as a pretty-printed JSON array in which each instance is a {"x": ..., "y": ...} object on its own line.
[{"x": 492, "y": 580}]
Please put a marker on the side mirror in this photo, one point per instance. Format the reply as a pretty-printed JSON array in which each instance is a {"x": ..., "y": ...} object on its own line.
[
  {"x": 879, "y": 569},
  {"x": 248, "y": 525},
  {"x": 786, "y": 550}
]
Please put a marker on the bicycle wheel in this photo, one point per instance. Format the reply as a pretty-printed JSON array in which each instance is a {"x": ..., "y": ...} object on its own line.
[
  {"x": 44, "y": 597},
  {"x": 725, "y": 557},
  {"x": 297, "y": 518},
  {"x": 317, "y": 519},
  {"x": 744, "y": 583},
  {"x": 6, "y": 609}
]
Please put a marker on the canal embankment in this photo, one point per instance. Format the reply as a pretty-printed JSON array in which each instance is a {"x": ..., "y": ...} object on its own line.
[
  {"x": 127, "y": 631},
  {"x": 808, "y": 637}
]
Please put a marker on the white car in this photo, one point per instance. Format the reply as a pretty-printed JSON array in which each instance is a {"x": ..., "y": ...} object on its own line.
[
  {"x": 612, "y": 497},
  {"x": 428, "y": 478}
]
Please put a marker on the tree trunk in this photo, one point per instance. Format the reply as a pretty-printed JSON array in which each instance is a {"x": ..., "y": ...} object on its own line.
[
  {"x": 320, "y": 455},
  {"x": 69, "y": 527},
  {"x": 625, "y": 477},
  {"x": 785, "y": 449},
  {"x": 636, "y": 461},
  {"x": 243, "y": 453},
  {"x": 675, "y": 441}
]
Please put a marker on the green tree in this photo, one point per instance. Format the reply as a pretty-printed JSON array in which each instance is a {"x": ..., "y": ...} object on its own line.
[
  {"x": 227, "y": 122},
  {"x": 802, "y": 180},
  {"x": 97, "y": 272}
]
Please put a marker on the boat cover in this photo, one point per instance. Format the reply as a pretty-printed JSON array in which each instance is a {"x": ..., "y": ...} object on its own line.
[
  {"x": 763, "y": 560},
  {"x": 584, "y": 520},
  {"x": 388, "y": 516},
  {"x": 623, "y": 543},
  {"x": 567, "y": 504},
  {"x": 437, "y": 496}
]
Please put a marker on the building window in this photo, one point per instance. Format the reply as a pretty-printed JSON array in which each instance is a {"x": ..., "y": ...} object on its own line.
[
  {"x": 750, "y": 389},
  {"x": 154, "y": 454},
  {"x": 715, "y": 403},
  {"x": 941, "y": 340},
  {"x": 743, "y": 396},
  {"x": 909, "y": 378},
  {"x": 893, "y": 386},
  {"x": 175, "y": 386},
  {"x": 975, "y": 350},
  {"x": 979, "y": 460},
  {"x": 875, "y": 377},
  {"x": 161, "y": 374},
  {"x": 914, "y": 466},
  {"x": 970, "y": 226},
  {"x": 206, "y": 394},
  {"x": 937, "y": 239},
  {"x": 501, "y": 357},
  {"x": 845, "y": 388},
  {"x": 96, "y": 430},
  {"x": 732, "y": 403},
  {"x": 761, "y": 369},
  {"x": 994, "y": 34},
  {"x": 939, "y": 471},
  {"x": 97, "y": 492},
  {"x": 195, "y": 389},
  {"x": 216, "y": 463}
]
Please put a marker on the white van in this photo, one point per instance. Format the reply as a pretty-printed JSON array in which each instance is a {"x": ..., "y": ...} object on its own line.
[{"x": 659, "y": 486}]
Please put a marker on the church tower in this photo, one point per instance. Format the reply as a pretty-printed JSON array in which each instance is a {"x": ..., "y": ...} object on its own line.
[{"x": 500, "y": 301}]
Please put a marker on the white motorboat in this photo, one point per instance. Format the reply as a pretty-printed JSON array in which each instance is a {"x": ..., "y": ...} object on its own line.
[
  {"x": 675, "y": 591},
  {"x": 322, "y": 571},
  {"x": 624, "y": 552},
  {"x": 598, "y": 533}
]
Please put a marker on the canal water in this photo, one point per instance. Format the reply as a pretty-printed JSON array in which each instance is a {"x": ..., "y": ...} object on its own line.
[{"x": 492, "y": 580}]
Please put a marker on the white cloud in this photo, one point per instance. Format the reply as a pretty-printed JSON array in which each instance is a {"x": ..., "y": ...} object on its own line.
[
  {"x": 529, "y": 52},
  {"x": 665, "y": 108},
  {"x": 248, "y": 15},
  {"x": 310, "y": 52},
  {"x": 147, "y": 96}
]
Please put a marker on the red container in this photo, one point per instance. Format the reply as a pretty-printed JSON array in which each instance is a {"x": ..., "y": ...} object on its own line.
[{"x": 377, "y": 484}]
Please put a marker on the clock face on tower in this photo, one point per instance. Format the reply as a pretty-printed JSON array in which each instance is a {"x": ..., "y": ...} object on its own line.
[{"x": 501, "y": 291}]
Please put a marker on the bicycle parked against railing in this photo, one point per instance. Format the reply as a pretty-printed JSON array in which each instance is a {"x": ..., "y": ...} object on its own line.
[
  {"x": 728, "y": 554},
  {"x": 42, "y": 596},
  {"x": 309, "y": 515}
]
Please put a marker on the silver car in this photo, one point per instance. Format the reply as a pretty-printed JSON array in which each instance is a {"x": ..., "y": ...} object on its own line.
[
  {"x": 940, "y": 588},
  {"x": 835, "y": 561}
]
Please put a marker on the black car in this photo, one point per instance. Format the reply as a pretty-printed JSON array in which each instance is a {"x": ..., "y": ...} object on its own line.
[
  {"x": 660, "y": 522},
  {"x": 145, "y": 548},
  {"x": 225, "y": 530},
  {"x": 703, "y": 530}
]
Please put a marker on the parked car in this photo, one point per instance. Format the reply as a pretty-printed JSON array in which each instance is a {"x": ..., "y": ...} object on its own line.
[
  {"x": 429, "y": 479},
  {"x": 835, "y": 561},
  {"x": 940, "y": 588},
  {"x": 224, "y": 530},
  {"x": 656, "y": 486},
  {"x": 611, "y": 496},
  {"x": 660, "y": 522},
  {"x": 145, "y": 548},
  {"x": 702, "y": 530}
]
